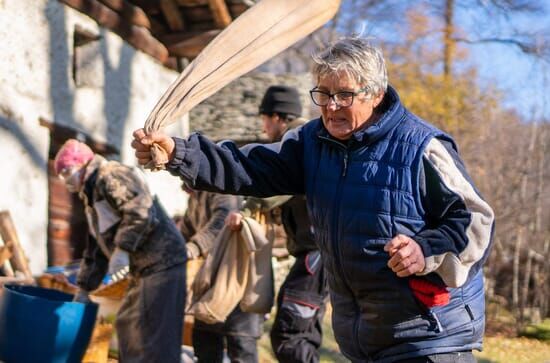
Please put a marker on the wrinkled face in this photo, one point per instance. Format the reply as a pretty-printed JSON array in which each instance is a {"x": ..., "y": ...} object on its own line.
[
  {"x": 73, "y": 178},
  {"x": 273, "y": 126},
  {"x": 342, "y": 122}
]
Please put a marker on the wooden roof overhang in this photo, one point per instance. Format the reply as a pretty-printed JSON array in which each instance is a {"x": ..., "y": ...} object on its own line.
[{"x": 168, "y": 30}]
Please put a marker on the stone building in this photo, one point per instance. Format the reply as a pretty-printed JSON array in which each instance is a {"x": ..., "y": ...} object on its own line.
[
  {"x": 89, "y": 69},
  {"x": 93, "y": 70}
]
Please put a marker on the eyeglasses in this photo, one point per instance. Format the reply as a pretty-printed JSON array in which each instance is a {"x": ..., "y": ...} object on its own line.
[{"x": 341, "y": 99}]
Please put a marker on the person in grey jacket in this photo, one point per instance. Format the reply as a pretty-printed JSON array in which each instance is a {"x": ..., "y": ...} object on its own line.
[
  {"x": 297, "y": 332},
  {"x": 200, "y": 225},
  {"x": 127, "y": 226},
  {"x": 402, "y": 230}
]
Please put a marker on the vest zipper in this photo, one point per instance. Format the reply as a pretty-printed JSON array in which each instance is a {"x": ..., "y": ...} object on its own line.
[
  {"x": 336, "y": 226},
  {"x": 345, "y": 163},
  {"x": 342, "y": 147}
]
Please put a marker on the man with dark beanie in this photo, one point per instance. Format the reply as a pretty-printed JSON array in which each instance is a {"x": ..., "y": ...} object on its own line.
[{"x": 297, "y": 333}]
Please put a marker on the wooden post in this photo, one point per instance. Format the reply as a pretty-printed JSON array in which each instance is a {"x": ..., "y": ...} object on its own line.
[
  {"x": 7, "y": 231},
  {"x": 5, "y": 256}
]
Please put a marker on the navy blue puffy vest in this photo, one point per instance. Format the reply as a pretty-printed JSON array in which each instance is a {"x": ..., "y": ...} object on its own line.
[{"x": 360, "y": 195}]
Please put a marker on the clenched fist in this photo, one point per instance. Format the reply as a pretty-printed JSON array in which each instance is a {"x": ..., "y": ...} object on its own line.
[
  {"x": 406, "y": 256},
  {"x": 143, "y": 143}
]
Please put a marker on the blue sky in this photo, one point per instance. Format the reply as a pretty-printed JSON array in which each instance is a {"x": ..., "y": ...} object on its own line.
[{"x": 524, "y": 81}]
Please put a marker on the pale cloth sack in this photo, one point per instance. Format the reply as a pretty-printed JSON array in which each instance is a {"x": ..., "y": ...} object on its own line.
[{"x": 238, "y": 270}]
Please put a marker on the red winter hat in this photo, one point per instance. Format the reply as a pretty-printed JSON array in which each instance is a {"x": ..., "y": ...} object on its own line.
[{"x": 72, "y": 153}]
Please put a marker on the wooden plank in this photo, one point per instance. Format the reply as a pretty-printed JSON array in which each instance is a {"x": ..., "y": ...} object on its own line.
[
  {"x": 203, "y": 13},
  {"x": 6, "y": 266},
  {"x": 9, "y": 235},
  {"x": 237, "y": 9},
  {"x": 219, "y": 9},
  {"x": 139, "y": 37},
  {"x": 191, "y": 3},
  {"x": 98, "y": 348},
  {"x": 175, "y": 38},
  {"x": 199, "y": 14},
  {"x": 201, "y": 27},
  {"x": 15, "y": 280},
  {"x": 172, "y": 14},
  {"x": 62, "y": 133},
  {"x": 5, "y": 254},
  {"x": 133, "y": 14},
  {"x": 148, "y": 6},
  {"x": 157, "y": 26},
  {"x": 191, "y": 47}
]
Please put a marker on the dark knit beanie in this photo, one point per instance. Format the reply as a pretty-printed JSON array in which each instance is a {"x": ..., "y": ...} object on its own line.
[{"x": 281, "y": 99}]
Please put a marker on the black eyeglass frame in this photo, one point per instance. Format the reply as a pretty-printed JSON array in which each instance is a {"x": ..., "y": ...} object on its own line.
[{"x": 332, "y": 96}]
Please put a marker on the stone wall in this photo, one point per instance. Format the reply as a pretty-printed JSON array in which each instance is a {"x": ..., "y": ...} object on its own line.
[{"x": 232, "y": 113}]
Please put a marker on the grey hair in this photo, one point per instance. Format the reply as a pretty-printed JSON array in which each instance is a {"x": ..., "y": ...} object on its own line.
[{"x": 362, "y": 62}]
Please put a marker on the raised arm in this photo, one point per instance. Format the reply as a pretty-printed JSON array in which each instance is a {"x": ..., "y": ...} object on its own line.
[{"x": 256, "y": 169}]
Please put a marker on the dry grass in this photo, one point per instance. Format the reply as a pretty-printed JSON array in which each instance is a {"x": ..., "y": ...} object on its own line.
[{"x": 514, "y": 350}]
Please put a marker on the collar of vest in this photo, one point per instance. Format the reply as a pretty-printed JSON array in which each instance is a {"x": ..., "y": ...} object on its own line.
[{"x": 392, "y": 115}]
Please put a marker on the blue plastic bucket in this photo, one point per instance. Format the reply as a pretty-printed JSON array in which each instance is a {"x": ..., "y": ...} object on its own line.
[{"x": 43, "y": 325}]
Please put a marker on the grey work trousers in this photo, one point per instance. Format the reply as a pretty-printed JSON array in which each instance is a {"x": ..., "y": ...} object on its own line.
[{"x": 149, "y": 323}]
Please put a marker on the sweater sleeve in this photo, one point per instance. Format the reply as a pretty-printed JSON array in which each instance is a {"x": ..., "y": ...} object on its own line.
[
  {"x": 460, "y": 224},
  {"x": 93, "y": 266},
  {"x": 260, "y": 170}
]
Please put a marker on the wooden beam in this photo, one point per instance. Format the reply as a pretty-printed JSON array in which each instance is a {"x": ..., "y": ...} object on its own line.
[
  {"x": 219, "y": 9},
  {"x": 5, "y": 254},
  {"x": 133, "y": 14},
  {"x": 65, "y": 132},
  {"x": 11, "y": 241},
  {"x": 175, "y": 38},
  {"x": 190, "y": 3},
  {"x": 203, "y": 13},
  {"x": 237, "y": 9},
  {"x": 15, "y": 280},
  {"x": 6, "y": 267},
  {"x": 191, "y": 47},
  {"x": 148, "y": 6},
  {"x": 172, "y": 14},
  {"x": 198, "y": 14},
  {"x": 139, "y": 37},
  {"x": 158, "y": 26}
]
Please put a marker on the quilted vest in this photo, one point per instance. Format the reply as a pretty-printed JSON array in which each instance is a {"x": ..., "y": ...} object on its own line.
[{"x": 360, "y": 195}]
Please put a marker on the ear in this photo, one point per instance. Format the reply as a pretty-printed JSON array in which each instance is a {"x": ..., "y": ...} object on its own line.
[{"x": 378, "y": 99}]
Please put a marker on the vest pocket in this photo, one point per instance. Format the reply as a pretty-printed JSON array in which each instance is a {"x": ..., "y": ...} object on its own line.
[{"x": 390, "y": 322}]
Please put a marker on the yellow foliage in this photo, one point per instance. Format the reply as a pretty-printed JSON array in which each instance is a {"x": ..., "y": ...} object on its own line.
[{"x": 456, "y": 104}]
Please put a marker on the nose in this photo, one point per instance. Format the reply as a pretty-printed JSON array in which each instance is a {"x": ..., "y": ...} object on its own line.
[{"x": 332, "y": 105}]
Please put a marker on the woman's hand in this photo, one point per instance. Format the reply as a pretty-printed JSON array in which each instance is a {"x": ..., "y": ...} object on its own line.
[
  {"x": 406, "y": 256},
  {"x": 142, "y": 144}
]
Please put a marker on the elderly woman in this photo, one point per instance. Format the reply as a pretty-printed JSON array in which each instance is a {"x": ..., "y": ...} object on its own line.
[{"x": 402, "y": 231}]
